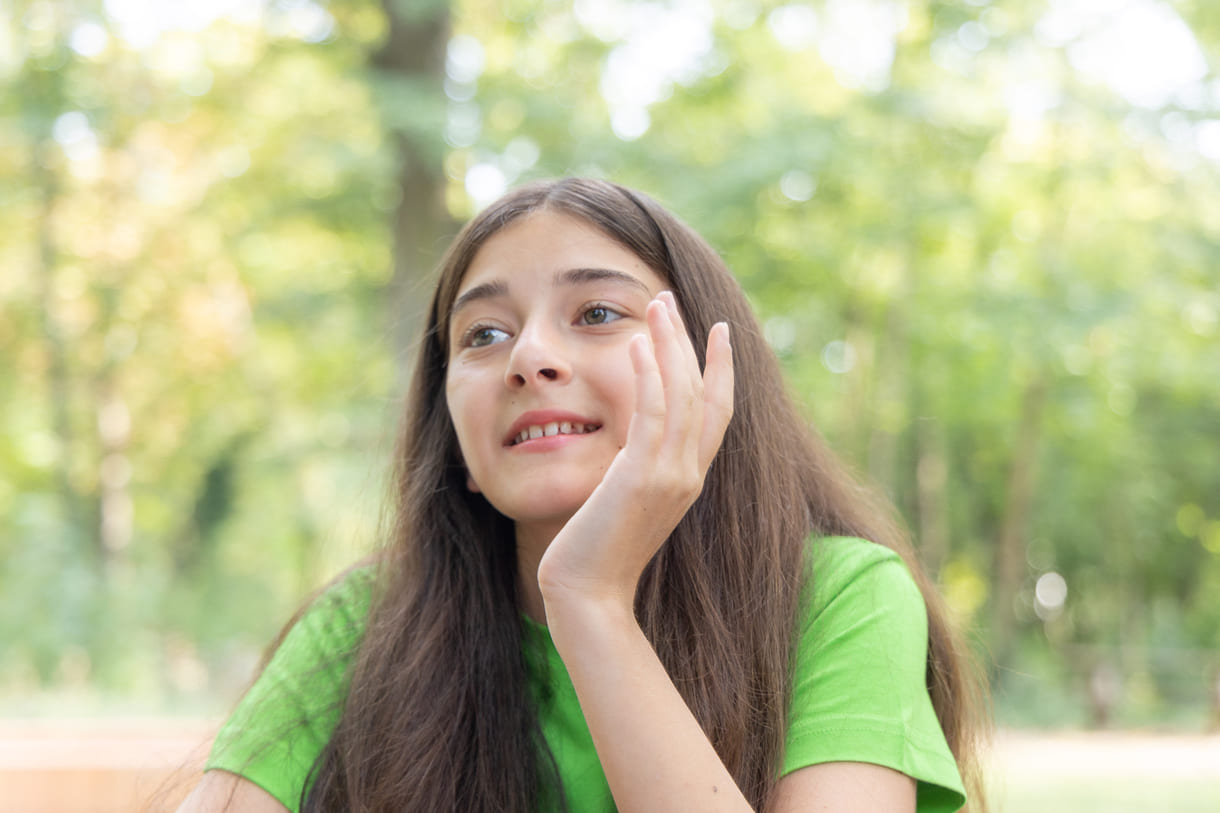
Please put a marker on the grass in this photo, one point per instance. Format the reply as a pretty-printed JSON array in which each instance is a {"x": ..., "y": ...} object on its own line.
[
  {"x": 1109, "y": 772},
  {"x": 1108, "y": 795}
]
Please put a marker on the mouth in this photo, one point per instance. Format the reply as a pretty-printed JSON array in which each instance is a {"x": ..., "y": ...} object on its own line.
[{"x": 551, "y": 429}]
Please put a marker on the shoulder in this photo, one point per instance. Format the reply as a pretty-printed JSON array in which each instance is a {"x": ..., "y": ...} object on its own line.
[
  {"x": 340, "y": 609},
  {"x": 859, "y": 691},
  {"x": 854, "y": 571},
  {"x": 314, "y": 655},
  {"x": 279, "y": 728},
  {"x": 840, "y": 559},
  {"x": 862, "y": 609},
  {"x": 327, "y": 628}
]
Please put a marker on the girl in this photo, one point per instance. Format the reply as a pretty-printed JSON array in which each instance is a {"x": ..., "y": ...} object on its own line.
[{"x": 623, "y": 572}]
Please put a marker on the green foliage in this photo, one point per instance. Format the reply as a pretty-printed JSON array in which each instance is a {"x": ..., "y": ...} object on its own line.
[{"x": 970, "y": 257}]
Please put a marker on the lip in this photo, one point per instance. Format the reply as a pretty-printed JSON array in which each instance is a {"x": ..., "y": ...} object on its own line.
[{"x": 537, "y": 417}]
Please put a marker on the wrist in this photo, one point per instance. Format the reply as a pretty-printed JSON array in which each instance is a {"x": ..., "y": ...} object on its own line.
[
  {"x": 604, "y": 591},
  {"x": 584, "y": 611}
]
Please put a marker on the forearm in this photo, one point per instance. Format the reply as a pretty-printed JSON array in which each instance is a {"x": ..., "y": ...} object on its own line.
[{"x": 654, "y": 754}]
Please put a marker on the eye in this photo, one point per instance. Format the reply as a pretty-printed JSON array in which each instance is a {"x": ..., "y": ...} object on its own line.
[
  {"x": 599, "y": 315},
  {"x": 482, "y": 336}
]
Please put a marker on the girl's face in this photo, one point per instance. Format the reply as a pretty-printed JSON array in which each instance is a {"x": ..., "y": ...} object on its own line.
[{"x": 540, "y": 386}]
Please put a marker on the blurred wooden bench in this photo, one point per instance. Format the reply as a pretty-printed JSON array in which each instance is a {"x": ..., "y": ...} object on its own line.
[{"x": 100, "y": 766}]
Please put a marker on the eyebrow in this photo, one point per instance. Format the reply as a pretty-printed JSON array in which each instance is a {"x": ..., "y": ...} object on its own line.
[
  {"x": 579, "y": 276},
  {"x": 570, "y": 277},
  {"x": 488, "y": 290}
]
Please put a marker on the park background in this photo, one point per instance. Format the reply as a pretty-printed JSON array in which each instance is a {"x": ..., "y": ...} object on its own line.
[{"x": 983, "y": 238}]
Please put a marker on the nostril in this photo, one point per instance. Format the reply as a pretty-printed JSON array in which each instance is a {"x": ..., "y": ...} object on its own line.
[{"x": 548, "y": 373}]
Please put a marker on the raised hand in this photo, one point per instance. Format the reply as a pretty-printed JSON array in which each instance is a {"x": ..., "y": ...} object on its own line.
[{"x": 678, "y": 425}]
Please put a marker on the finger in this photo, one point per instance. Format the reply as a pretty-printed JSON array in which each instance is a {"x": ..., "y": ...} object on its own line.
[
  {"x": 648, "y": 422},
  {"x": 667, "y": 349},
  {"x": 683, "y": 338},
  {"x": 682, "y": 401},
  {"x": 717, "y": 392}
]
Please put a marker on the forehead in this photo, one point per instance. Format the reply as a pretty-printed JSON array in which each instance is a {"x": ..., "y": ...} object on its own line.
[{"x": 542, "y": 244}]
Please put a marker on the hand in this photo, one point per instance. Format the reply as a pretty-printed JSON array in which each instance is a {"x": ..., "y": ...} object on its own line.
[{"x": 679, "y": 423}]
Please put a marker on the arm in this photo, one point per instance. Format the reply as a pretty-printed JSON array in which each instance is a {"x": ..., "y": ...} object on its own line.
[
  {"x": 859, "y": 692},
  {"x": 844, "y": 787},
  {"x": 221, "y": 791},
  {"x": 655, "y": 755},
  {"x": 653, "y": 751}
]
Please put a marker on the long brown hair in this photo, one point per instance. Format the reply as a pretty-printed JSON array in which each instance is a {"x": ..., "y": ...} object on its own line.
[{"x": 440, "y": 715}]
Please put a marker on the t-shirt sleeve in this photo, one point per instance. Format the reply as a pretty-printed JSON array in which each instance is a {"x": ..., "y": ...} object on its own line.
[
  {"x": 280, "y": 727},
  {"x": 859, "y": 688}
]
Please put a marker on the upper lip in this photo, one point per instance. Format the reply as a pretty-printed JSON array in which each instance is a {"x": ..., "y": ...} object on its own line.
[{"x": 541, "y": 417}]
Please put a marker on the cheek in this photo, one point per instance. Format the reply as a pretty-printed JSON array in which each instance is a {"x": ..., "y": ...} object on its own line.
[
  {"x": 470, "y": 458},
  {"x": 618, "y": 391},
  {"x": 459, "y": 403},
  {"x": 472, "y": 400}
]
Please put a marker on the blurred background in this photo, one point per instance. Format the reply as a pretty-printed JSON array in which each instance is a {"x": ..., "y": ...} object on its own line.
[{"x": 983, "y": 238}]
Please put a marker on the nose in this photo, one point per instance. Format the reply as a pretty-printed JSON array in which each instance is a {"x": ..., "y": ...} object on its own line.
[{"x": 537, "y": 357}]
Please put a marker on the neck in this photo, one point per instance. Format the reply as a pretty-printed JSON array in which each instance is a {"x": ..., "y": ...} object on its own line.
[{"x": 533, "y": 539}]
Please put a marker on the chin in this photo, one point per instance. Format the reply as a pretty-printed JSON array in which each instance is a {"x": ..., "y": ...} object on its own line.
[{"x": 547, "y": 504}]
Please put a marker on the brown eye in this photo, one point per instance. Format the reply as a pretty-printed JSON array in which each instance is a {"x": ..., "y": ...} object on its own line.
[
  {"x": 483, "y": 336},
  {"x": 599, "y": 315}
]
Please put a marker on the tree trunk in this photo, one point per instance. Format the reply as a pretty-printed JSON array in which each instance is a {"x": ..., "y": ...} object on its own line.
[
  {"x": 931, "y": 474},
  {"x": 413, "y": 61},
  {"x": 1010, "y": 555},
  {"x": 81, "y": 509}
]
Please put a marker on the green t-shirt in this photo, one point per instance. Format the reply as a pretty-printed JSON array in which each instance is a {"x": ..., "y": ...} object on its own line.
[{"x": 859, "y": 691}]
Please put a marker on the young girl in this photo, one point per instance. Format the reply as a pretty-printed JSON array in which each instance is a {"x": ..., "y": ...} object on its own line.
[{"x": 623, "y": 574}]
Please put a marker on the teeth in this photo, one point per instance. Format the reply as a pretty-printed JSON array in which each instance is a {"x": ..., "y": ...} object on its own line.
[{"x": 554, "y": 428}]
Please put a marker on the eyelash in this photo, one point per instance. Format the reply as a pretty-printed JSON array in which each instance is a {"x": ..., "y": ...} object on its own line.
[
  {"x": 613, "y": 314},
  {"x": 467, "y": 339},
  {"x": 600, "y": 306}
]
